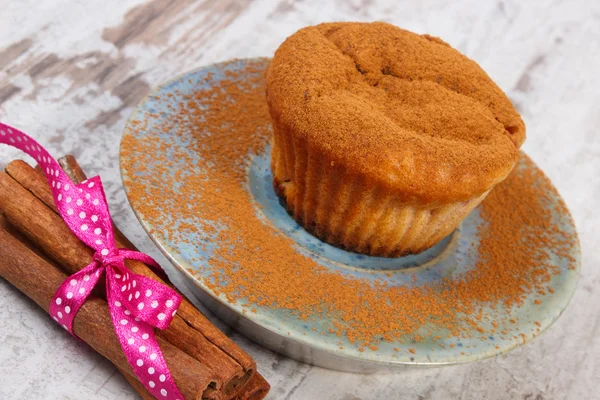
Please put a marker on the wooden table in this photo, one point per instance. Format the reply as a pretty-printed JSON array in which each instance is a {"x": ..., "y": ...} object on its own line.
[{"x": 71, "y": 71}]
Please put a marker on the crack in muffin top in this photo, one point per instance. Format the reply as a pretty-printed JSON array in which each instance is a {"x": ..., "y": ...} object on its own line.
[{"x": 403, "y": 111}]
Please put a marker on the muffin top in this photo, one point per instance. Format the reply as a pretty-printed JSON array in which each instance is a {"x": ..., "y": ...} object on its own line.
[{"x": 405, "y": 111}]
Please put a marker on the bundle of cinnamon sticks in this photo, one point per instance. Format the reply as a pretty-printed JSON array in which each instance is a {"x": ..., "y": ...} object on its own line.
[{"x": 38, "y": 252}]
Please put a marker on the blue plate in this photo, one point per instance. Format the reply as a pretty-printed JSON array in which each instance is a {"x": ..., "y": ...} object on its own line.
[{"x": 286, "y": 333}]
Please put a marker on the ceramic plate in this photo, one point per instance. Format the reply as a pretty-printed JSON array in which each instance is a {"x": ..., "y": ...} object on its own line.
[{"x": 286, "y": 333}]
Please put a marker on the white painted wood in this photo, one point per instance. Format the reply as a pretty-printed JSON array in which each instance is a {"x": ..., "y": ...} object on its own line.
[{"x": 71, "y": 71}]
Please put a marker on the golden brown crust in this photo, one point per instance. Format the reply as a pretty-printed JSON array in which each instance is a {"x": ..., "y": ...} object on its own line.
[{"x": 406, "y": 113}]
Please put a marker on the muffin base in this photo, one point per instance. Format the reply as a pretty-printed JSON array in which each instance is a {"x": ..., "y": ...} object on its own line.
[
  {"x": 390, "y": 232},
  {"x": 340, "y": 208}
]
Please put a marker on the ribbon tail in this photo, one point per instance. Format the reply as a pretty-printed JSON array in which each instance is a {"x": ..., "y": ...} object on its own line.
[
  {"x": 83, "y": 206},
  {"x": 147, "y": 299},
  {"x": 72, "y": 293},
  {"x": 139, "y": 345}
]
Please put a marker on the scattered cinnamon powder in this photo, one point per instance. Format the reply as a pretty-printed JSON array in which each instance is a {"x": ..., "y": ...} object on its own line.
[{"x": 262, "y": 268}]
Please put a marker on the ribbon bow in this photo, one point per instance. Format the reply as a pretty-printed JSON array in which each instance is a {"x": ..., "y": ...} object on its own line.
[{"x": 136, "y": 303}]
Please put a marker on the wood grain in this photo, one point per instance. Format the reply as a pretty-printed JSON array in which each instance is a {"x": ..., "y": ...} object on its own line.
[{"x": 70, "y": 73}]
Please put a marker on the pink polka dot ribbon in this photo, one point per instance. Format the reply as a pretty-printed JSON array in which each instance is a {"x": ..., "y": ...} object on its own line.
[{"x": 136, "y": 303}]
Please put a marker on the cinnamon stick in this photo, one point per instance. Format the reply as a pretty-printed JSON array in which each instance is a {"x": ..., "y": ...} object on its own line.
[
  {"x": 34, "y": 181},
  {"x": 135, "y": 384},
  {"x": 255, "y": 389},
  {"x": 132, "y": 380},
  {"x": 46, "y": 229},
  {"x": 39, "y": 280},
  {"x": 187, "y": 311}
]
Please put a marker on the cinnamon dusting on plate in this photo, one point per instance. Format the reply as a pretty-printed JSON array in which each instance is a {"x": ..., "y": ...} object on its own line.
[{"x": 254, "y": 264}]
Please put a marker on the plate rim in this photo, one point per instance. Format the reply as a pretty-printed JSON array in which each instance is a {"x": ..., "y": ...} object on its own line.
[{"x": 254, "y": 318}]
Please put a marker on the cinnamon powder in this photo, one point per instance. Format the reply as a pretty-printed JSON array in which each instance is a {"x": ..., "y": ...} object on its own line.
[
  {"x": 405, "y": 112},
  {"x": 229, "y": 120}
]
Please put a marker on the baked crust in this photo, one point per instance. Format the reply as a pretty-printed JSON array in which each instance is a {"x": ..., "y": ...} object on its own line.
[{"x": 402, "y": 112}]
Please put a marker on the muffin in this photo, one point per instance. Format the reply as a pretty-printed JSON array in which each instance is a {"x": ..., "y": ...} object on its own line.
[{"x": 384, "y": 140}]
